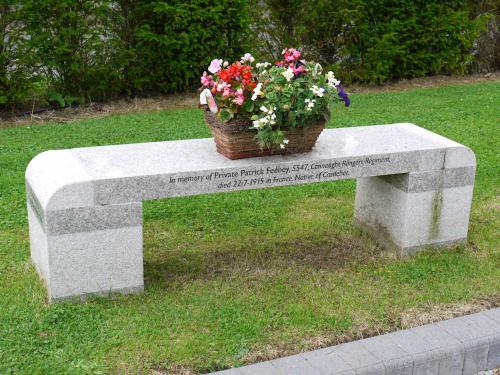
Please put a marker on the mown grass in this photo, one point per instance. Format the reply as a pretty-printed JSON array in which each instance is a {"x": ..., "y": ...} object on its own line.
[{"x": 234, "y": 277}]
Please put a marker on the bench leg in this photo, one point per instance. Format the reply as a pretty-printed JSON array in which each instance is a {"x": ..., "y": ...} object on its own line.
[
  {"x": 88, "y": 250},
  {"x": 411, "y": 211}
]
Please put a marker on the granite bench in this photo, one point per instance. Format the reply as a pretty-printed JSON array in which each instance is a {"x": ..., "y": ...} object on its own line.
[{"x": 414, "y": 189}]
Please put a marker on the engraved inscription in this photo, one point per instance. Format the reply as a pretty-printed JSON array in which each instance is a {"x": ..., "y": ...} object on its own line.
[{"x": 275, "y": 175}]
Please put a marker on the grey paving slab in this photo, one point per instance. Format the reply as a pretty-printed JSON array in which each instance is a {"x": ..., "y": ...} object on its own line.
[
  {"x": 296, "y": 365},
  {"x": 475, "y": 341},
  {"x": 395, "y": 359},
  {"x": 261, "y": 369},
  {"x": 231, "y": 371},
  {"x": 425, "y": 361},
  {"x": 429, "y": 350},
  {"x": 449, "y": 350},
  {"x": 327, "y": 362},
  {"x": 359, "y": 358}
]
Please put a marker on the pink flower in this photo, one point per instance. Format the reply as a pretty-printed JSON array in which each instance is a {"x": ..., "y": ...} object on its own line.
[
  {"x": 227, "y": 91},
  {"x": 215, "y": 66},
  {"x": 221, "y": 86},
  {"x": 239, "y": 99},
  {"x": 297, "y": 70},
  {"x": 207, "y": 80},
  {"x": 291, "y": 54},
  {"x": 247, "y": 58}
]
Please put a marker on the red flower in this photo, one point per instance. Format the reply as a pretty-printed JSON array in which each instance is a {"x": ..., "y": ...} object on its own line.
[
  {"x": 247, "y": 75},
  {"x": 225, "y": 75}
]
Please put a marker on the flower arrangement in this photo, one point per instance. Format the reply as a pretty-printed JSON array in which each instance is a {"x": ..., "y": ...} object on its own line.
[{"x": 288, "y": 94}]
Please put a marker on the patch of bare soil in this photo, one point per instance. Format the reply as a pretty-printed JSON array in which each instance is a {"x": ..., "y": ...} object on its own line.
[
  {"x": 231, "y": 258},
  {"x": 424, "y": 82},
  {"x": 96, "y": 110}
]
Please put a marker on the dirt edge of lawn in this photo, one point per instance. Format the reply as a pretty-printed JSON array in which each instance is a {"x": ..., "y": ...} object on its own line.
[
  {"x": 190, "y": 100},
  {"x": 410, "y": 318}
]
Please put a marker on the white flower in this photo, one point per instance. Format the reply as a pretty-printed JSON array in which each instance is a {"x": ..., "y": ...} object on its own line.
[
  {"x": 226, "y": 63},
  {"x": 332, "y": 81},
  {"x": 288, "y": 74},
  {"x": 260, "y": 123},
  {"x": 263, "y": 109},
  {"x": 310, "y": 104},
  {"x": 318, "y": 91},
  {"x": 317, "y": 69},
  {"x": 247, "y": 57},
  {"x": 263, "y": 65},
  {"x": 257, "y": 91},
  {"x": 282, "y": 146},
  {"x": 286, "y": 141}
]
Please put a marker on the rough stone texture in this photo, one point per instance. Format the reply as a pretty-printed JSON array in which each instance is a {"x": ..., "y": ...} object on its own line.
[
  {"x": 417, "y": 182},
  {"x": 85, "y": 204},
  {"x": 445, "y": 348},
  {"x": 477, "y": 333},
  {"x": 396, "y": 361},
  {"x": 327, "y": 362},
  {"x": 296, "y": 365},
  {"x": 448, "y": 349},
  {"x": 358, "y": 357},
  {"x": 89, "y": 254},
  {"x": 409, "y": 221}
]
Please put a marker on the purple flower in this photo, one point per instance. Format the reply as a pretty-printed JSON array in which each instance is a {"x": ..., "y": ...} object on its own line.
[{"x": 343, "y": 95}]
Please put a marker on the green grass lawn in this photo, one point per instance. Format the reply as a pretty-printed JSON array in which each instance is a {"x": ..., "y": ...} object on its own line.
[{"x": 235, "y": 277}]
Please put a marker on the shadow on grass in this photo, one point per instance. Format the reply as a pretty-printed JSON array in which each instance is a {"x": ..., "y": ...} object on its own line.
[{"x": 252, "y": 257}]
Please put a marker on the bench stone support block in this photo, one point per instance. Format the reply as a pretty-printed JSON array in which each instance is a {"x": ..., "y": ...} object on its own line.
[
  {"x": 411, "y": 211},
  {"x": 94, "y": 250}
]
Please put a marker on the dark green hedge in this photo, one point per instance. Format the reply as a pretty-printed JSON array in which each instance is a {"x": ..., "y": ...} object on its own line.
[
  {"x": 81, "y": 50},
  {"x": 376, "y": 40},
  {"x": 63, "y": 52}
]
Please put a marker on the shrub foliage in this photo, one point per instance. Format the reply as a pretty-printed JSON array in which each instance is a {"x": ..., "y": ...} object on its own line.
[
  {"x": 69, "y": 51},
  {"x": 376, "y": 40}
]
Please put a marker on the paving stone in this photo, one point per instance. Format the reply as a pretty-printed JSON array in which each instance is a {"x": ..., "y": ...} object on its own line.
[
  {"x": 425, "y": 361},
  {"x": 449, "y": 350},
  {"x": 359, "y": 358},
  {"x": 327, "y": 362},
  {"x": 296, "y": 365},
  {"x": 473, "y": 333},
  {"x": 394, "y": 358},
  {"x": 493, "y": 314},
  {"x": 263, "y": 368},
  {"x": 231, "y": 371}
]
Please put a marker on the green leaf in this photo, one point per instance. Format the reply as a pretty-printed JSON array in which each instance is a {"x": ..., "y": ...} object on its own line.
[
  {"x": 225, "y": 115},
  {"x": 248, "y": 106}
]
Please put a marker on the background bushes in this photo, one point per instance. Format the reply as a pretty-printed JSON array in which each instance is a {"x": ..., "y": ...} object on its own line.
[
  {"x": 82, "y": 50},
  {"x": 166, "y": 44},
  {"x": 64, "y": 52},
  {"x": 376, "y": 40}
]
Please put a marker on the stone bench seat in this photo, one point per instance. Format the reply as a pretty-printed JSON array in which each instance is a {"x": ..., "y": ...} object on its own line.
[{"x": 414, "y": 189}]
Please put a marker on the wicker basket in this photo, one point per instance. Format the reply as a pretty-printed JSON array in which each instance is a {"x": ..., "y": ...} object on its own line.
[{"x": 235, "y": 140}]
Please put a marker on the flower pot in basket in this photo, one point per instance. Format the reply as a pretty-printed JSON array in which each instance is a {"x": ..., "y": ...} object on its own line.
[
  {"x": 282, "y": 106},
  {"x": 236, "y": 139}
]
